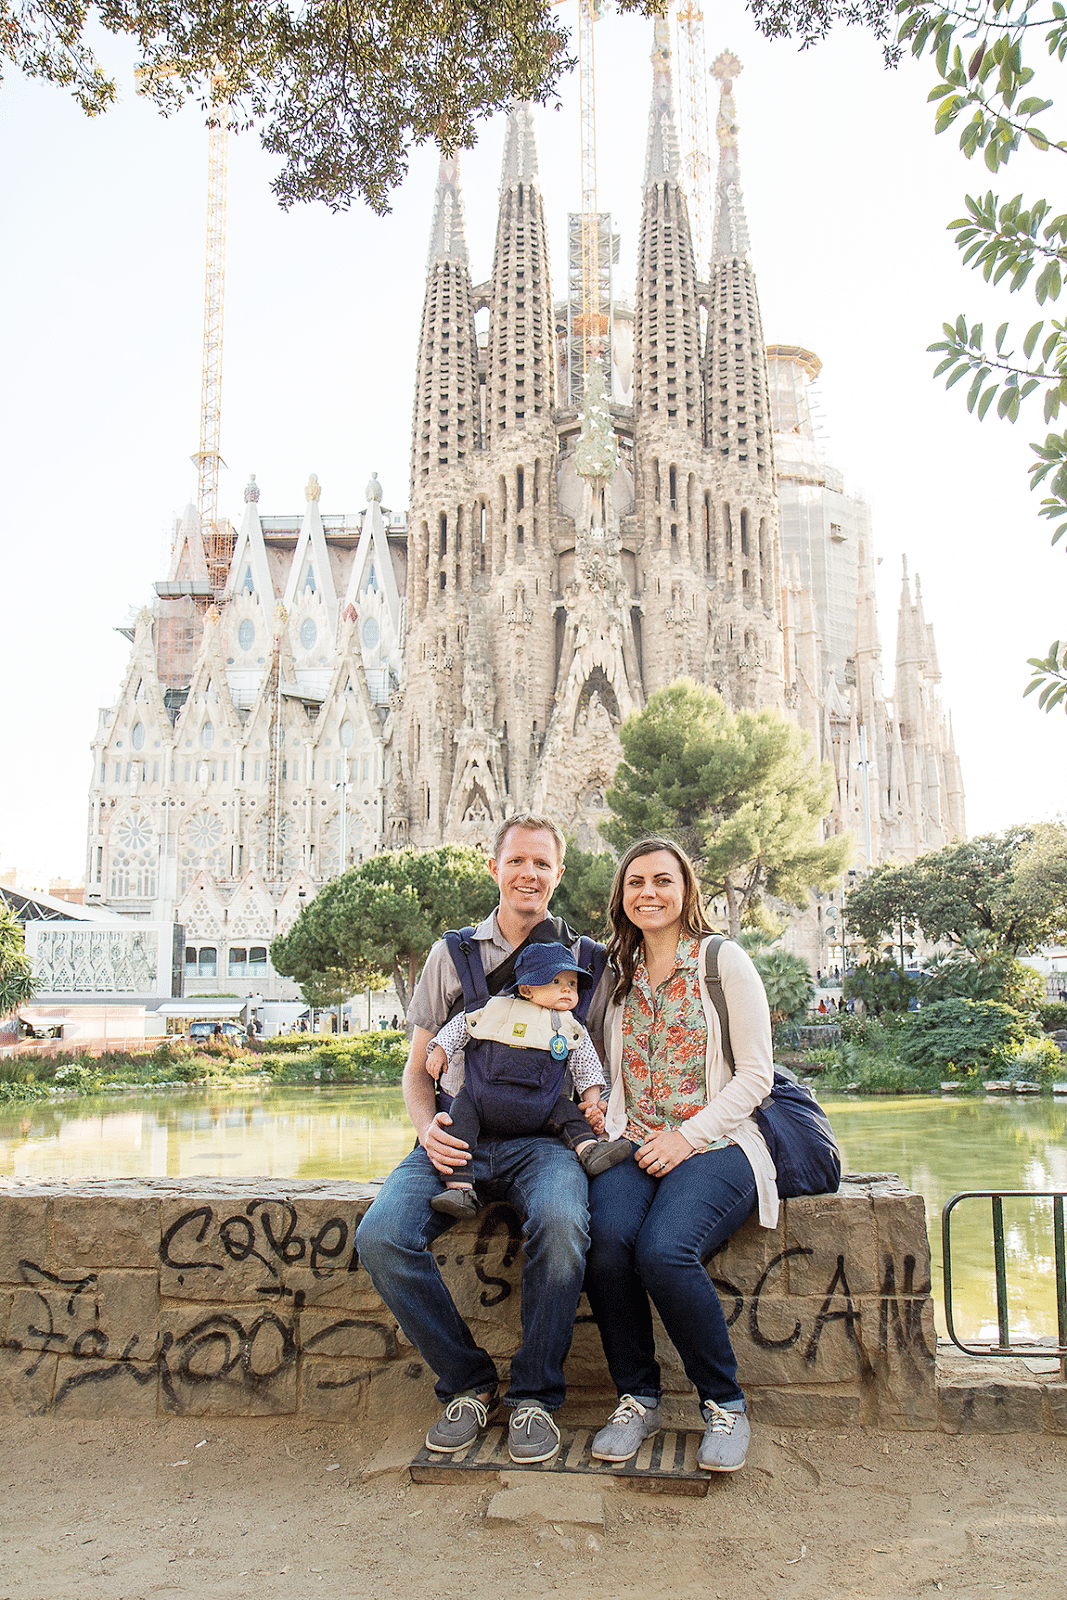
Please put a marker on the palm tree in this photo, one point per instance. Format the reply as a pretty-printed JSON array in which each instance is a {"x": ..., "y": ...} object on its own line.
[{"x": 16, "y": 979}]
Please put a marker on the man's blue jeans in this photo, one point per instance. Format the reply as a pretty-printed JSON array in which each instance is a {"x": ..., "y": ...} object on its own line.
[
  {"x": 545, "y": 1184},
  {"x": 650, "y": 1238}
]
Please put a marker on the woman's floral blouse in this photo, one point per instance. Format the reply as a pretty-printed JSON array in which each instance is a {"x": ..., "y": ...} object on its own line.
[{"x": 664, "y": 1045}]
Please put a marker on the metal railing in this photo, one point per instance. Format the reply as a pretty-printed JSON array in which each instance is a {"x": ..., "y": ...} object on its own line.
[{"x": 1004, "y": 1345}]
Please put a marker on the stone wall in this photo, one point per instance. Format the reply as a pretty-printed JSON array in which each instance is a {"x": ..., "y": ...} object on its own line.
[{"x": 219, "y": 1298}]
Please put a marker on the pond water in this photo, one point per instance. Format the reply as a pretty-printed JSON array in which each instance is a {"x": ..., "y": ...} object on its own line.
[{"x": 938, "y": 1147}]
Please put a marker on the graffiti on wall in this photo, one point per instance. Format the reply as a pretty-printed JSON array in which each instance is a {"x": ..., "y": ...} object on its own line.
[{"x": 256, "y": 1305}]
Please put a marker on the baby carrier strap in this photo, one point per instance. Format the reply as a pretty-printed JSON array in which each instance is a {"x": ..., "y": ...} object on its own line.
[
  {"x": 476, "y": 987},
  {"x": 467, "y": 960}
]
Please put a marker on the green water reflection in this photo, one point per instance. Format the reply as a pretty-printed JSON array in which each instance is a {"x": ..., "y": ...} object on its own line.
[
  {"x": 941, "y": 1147},
  {"x": 938, "y": 1147},
  {"x": 275, "y": 1133}
]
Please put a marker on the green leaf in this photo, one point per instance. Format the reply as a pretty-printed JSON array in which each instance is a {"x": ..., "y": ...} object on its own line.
[
  {"x": 985, "y": 402},
  {"x": 1031, "y": 339},
  {"x": 1007, "y": 405},
  {"x": 973, "y": 392}
]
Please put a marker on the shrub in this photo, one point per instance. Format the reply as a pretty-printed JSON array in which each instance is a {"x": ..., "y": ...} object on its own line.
[
  {"x": 16, "y": 1071},
  {"x": 1034, "y": 1061},
  {"x": 78, "y": 1075},
  {"x": 1052, "y": 1014},
  {"x": 949, "y": 1036},
  {"x": 21, "y": 1091},
  {"x": 373, "y": 1056},
  {"x": 881, "y": 986},
  {"x": 983, "y": 975}
]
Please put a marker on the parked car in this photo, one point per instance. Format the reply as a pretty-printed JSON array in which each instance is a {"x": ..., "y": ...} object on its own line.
[{"x": 203, "y": 1032}]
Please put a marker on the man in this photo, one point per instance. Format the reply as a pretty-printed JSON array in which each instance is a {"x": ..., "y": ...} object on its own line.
[{"x": 537, "y": 1175}]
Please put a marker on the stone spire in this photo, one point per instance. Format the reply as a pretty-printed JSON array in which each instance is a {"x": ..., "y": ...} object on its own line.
[
  {"x": 737, "y": 416},
  {"x": 521, "y": 382},
  {"x": 448, "y": 240},
  {"x": 662, "y": 158},
  {"x": 730, "y": 233},
  {"x": 446, "y": 399},
  {"x": 667, "y": 313},
  {"x": 520, "y": 147}
]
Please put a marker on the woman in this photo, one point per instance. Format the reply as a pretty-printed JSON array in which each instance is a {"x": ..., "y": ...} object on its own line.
[{"x": 700, "y": 1166}]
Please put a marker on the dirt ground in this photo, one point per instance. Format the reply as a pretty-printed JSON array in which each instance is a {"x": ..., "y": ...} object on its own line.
[{"x": 265, "y": 1508}]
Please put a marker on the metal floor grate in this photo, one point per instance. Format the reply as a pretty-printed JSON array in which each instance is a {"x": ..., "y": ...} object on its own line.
[{"x": 667, "y": 1461}]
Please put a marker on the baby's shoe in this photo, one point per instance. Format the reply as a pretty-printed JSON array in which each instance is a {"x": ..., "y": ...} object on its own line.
[
  {"x": 605, "y": 1153},
  {"x": 456, "y": 1203}
]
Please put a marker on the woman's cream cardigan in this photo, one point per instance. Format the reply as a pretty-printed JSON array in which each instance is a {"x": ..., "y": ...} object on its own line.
[{"x": 732, "y": 1097}]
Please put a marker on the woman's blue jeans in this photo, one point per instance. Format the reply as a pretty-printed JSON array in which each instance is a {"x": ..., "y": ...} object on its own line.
[
  {"x": 650, "y": 1239},
  {"x": 547, "y": 1187}
]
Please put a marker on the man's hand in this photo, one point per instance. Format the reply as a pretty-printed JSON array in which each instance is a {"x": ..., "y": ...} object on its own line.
[{"x": 446, "y": 1153}]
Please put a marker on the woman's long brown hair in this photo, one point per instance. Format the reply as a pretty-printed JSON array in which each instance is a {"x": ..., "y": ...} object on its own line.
[{"x": 624, "y": 945}]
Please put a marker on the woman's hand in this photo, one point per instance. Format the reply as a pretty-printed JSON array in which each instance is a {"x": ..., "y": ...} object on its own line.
[{"x": 663, "y": 1152}]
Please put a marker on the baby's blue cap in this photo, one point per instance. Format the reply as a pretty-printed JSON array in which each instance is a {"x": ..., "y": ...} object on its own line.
[{"x": 539, "y": 963}]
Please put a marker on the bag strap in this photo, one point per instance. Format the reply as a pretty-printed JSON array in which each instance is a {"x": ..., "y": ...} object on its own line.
[
  {"x": 594, "y": 957},
  {"x": 718, "y": 999}
]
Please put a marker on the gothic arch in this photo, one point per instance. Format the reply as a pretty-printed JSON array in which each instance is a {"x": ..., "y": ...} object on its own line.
[{"x": 597, "y": 687}]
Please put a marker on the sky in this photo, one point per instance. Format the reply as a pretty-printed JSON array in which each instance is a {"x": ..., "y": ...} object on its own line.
[{"x": 847, "y": 193}]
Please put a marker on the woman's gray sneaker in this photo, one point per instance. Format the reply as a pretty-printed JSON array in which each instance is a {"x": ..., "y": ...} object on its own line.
[
  {"x": 532, "y": 1435},
  {"x": 459, "y": 1424},
  {"x": 630, "y": 1424},
  {"x": 725, "y": 1442}
]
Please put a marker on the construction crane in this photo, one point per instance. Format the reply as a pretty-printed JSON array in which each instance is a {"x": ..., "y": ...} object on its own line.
[
  {"x": 693, "y": 108},
  {"x": 217, "y": 535},
  {"x": 592, "y": 324}
]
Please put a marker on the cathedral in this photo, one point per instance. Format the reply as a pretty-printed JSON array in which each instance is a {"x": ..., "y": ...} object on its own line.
[{"x": 600, "y": 502}]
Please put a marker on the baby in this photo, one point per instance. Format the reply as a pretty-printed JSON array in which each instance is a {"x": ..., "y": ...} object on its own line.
[{"x": 519, "y": 1048}]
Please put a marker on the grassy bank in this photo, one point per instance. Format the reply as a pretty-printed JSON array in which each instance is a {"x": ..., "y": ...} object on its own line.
[
  {"x": 964, "y": 1045},
  {"x": 364, "y": 1058}
]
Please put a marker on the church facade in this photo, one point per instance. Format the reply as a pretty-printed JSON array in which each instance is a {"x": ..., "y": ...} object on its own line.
[{"x": 331, "y": 686}]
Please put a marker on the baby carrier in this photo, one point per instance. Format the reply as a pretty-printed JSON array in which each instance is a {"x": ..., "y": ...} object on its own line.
[{"x": 514, "y": 1089}]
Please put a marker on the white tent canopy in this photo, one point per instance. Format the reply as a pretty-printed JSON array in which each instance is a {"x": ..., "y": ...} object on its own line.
[{"x": 201, "y": 1009}]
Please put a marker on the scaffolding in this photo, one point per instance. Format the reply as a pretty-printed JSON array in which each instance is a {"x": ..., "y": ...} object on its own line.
[
  {"x": 589, "y": 304},
  {"x": 693, "y": 108},
  {"x": 216, "y": 533}
]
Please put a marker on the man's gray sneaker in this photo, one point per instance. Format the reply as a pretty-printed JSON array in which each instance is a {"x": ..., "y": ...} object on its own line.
[
  {"x": 630, "y": 1424},
  {"x": 725, "y": 1442},
  {"x": 532, "y": 1435},
  {"x": 459, "y": 1424}
]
